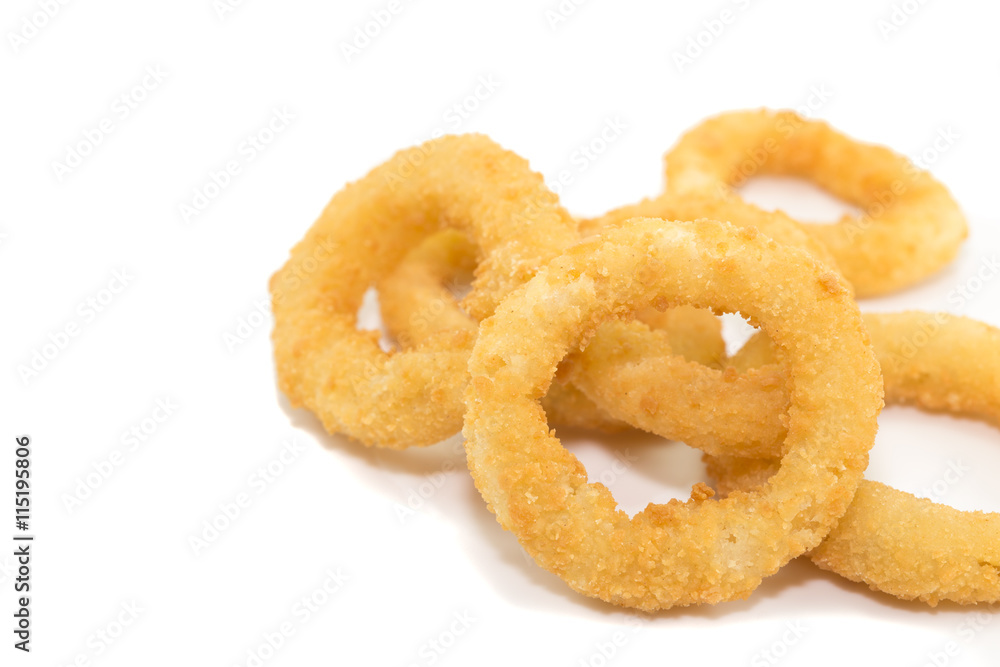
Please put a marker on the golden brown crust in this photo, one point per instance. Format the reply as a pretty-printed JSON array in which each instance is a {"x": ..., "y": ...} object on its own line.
[
  {"x": 891, "y": 540},
  {"x": 695, "y": 206},
  {"x": 625, "y": 372},
  {"x": 701, "y": 551},
  {"x": 910, "y": 226},
  {"x": 418, "y": 307},
  {"x": 325, "y": 364},
  {"x": 417, "y": 300}
]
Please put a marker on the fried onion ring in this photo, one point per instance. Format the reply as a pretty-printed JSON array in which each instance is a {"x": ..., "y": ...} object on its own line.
[
  {"x": 910, "y": 226},
  {"x": 418, "y": 299},
  {"x": 891, "y": 540},
  {"x": 629, "y": 373},
  {"x": 418, "y": 304},
  {"x": 708, "y": 412},
  {"x": 693, "y": 206},
  {"x": 412, "y": 397},
  {"x": 679, "y": 553}
]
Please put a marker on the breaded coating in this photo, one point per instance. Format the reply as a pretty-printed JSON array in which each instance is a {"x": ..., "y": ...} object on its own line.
[
  {"x": 694, "y": 206},
  {"x": 679, "y": 553},
  {"x": 891, "y": 540},
  {"x": 909, "y": 228},
  {"x": 418, "y": 307},
  {"x": 341, "y": 374}
]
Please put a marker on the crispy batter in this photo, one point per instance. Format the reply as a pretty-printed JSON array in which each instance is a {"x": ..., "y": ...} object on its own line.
[
  {"x": 704, "y": 550},
  {"x": 418, "y": 307},
  {"x": 910, "y": 226},
  {"x": 417, "y": 300},
  {"x": 324, "y": 363},
  {"x": 891, "y": 540},
  {"x": 628, "y": 373},
  {"x": 609, "y": 383},
  {"x": 608, "y": 321},
  {"x": 694, "y": 206}
]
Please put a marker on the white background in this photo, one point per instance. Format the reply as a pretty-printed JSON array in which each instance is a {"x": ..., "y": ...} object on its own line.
[{"x": 334, "y": 507}]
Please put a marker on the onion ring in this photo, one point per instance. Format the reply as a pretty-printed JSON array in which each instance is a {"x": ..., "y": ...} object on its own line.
[
  {"x": 418, "y": 306},
  {"x": 339, "y": 373},
  {"x": 910, "y": 228},
  {"x": 693, "y": 206},
  {"x": 708, "y": 411},
  {"x": 629, "y": 374},
  {"x": 680, "y": 553},
  {"x": 891, "y": 540},
  {"x": 417, "y": 303},
  {"x": 418, "y": 299}
]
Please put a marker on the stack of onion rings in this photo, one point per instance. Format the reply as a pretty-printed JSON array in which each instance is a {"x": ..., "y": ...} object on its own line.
[
  {"x": 418, "y": 306},
  {"x": 678, "y": 553},
  {"x": 607, "y": 323}
]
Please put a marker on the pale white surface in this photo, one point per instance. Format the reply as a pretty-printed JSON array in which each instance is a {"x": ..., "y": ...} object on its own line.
[{"x": 335, "y": 505}]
